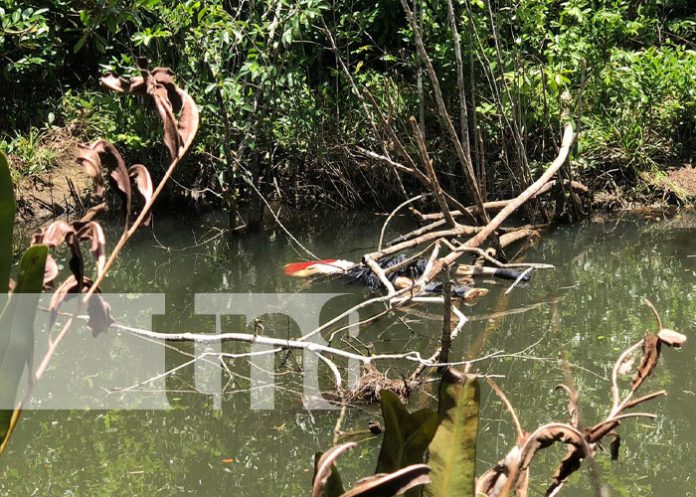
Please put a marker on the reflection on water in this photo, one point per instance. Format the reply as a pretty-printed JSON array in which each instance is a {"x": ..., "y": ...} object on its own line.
[{"x": 578, "y": 317}]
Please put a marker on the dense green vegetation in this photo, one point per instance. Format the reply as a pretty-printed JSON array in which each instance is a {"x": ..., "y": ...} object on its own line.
[{"x": 278, "y": 102}]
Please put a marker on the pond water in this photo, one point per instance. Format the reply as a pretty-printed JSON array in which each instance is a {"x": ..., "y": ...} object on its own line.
[{"x": 576, "y": 318}]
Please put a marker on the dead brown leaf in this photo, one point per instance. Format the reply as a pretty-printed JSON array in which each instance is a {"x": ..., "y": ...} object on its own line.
[
  {"x": 651, "y": 355},
  {"x": 98, "y": 309},
  {"x": 170, "y": 102},
  {"x": 573, "y": 410},
  {"x": 141, "y": 176},
  {"x": 390, "y": 484},
  {"x": 102, "y": 154},
  {"x": 671, "y": 338},
  {"x": 324, "y": 465},
  {"x": 548, "y": 435}
]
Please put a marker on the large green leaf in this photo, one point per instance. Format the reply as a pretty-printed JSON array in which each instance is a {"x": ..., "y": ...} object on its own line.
[
  {"x": 7, "y": 216},
  {"x": 452, "y": 452},
  {"x": 17, "y": 335},
  {"x": 406, "y": 435}
]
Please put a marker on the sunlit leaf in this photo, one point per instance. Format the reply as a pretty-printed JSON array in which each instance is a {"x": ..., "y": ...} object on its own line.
[
  {"x": 406, "y": 435},
  {"x": 141, "y": 176},
  {"x": 452, "y": 452},
  {"x": 17, "y": 335}
]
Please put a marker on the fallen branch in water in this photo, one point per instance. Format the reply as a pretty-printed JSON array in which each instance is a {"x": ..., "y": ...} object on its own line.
[
  {"x": 451, "y": 237},
  {"x": 283, "y": 344},
  {"x": 393, "y": 213},
  {"x": 499, "y": 204}
]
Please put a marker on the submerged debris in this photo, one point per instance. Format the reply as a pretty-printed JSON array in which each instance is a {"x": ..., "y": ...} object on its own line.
[{"x": 372, "y": 382}]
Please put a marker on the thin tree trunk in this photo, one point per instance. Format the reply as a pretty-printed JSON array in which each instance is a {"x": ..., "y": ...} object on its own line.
[
  {"x": 446, "y": 338},
  {"x": 419, "y": 74},
  {"x": 464, "y": 158},
  {"x": 461, "y": 90},
  {"x": 479, "y": 155}
]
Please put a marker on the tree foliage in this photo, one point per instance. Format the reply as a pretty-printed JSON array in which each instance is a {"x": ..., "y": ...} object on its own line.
[{"x": 280, "y": 102}]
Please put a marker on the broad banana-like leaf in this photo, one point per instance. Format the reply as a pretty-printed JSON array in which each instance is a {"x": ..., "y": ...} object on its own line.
[
  {"x": 7, "y": 216},
  {"x": 17, "y": 335},
  {"x": 452, "y": 452},
  {"x": 406, "y": 435}
]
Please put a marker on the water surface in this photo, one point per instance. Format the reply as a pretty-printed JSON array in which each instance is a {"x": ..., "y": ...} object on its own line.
[{"x": 576, "y": 319}]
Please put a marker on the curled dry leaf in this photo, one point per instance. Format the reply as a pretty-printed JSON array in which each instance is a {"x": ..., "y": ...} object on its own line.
[
  {"x": 189, "y": 120},
  {"x": 390, "y": 484},
  {"x": 170, "y": 101},
  {"x": 98, "y": 309},
  {"x": 102, "y": 154},
  {"x": 181, "y": 104},
  {"x": 143, "y": 183},
  {"x": 671, "y": 338},
  {"x": 651, "y": 354},
  {"x": 172, "y": 140},
  {"x": 493, "y": 482},
  {"x": 50, "y": 271},
  {"x": 508, "y": 474},
  {"x": 324, "y": 467},
  {"x": 59, "y": 233},
  {"x": 547, "y": 435},
  {"x": 55, "y": 235},
  {"x": 165, "y": 77},
  {"x": 91, "y": 163},
  {"x": 94, "y": 233},
  {"x": 99, "y": 312},
  {"x": 154, "y": 85},
  {"x": 573, "y": 410}
]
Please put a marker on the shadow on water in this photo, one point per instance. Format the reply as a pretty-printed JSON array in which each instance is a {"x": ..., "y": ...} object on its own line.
[{"x": 582, "y": 314}]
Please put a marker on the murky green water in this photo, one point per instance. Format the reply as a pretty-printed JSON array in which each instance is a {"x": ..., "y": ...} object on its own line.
[{"x": 583, "y": 313}]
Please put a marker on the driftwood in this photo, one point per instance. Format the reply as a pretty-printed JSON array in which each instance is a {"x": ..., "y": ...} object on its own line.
[
  {"x": 499, "y": 204},
  {"x": 478, "y": 234}
]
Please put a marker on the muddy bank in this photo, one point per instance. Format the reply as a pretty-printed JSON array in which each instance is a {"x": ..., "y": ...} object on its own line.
[
  {"x": 64, "y": 190},
  {"x": 59, "y": 192},
  {"x": 50, "y": 183}
]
